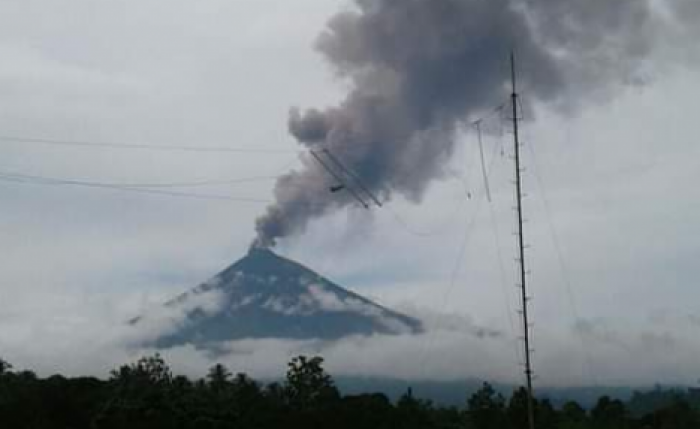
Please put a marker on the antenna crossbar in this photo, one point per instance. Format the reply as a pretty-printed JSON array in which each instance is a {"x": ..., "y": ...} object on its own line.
[
  {"x": 339, "y": 179},
  {"x": 356, "y": 179}
]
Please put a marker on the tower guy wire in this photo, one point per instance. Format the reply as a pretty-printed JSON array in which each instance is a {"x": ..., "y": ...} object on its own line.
[
  {"x": 461, "y": 250},
  {"x": 563, "y": 266},
  {"x": 503, "y": 279},
  {"x": 483, "y": 161}
]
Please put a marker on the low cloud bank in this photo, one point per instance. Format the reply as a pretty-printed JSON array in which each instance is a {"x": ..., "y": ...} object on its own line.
[{"x": 452, "y": 347}]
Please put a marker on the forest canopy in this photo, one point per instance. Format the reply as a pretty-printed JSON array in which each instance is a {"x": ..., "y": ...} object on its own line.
[{"x": 146, "y": 394}]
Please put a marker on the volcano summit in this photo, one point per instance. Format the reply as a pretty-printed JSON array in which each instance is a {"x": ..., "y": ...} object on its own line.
[{"x": 266, "y": 296}]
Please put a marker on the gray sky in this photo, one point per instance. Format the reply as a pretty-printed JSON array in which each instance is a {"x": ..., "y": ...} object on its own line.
[{"x": 618, "y": 191}]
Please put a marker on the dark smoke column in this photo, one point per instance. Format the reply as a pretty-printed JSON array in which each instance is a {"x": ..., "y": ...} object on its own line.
[{"x": 420, "y": 67}]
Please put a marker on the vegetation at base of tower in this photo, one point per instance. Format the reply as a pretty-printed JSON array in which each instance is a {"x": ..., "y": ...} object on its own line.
[{"x": 146, "y": 394}]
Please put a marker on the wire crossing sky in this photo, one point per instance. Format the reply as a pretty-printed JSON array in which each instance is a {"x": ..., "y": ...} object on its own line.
[
  {"x": 122, "y": 146},
  {"x": 129, "y": 133}
]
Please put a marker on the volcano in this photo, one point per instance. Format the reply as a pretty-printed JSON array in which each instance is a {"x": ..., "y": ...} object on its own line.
[{"x": 266, "y": 296}]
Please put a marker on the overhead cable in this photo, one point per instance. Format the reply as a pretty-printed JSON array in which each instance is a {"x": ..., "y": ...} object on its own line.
[
  {"x": 48, "y": 181},
  {"x": 141, "y": 146}
]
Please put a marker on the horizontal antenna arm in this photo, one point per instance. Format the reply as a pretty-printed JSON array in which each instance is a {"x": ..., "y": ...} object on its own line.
[
  {"x": 353, "y": 176},
  {"x": 339, "y": 179}
]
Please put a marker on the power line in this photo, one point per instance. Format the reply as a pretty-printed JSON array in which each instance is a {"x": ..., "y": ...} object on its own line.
[
  {"x": 193, "y": 184},
  {"x": 148, "y": 188},
  {"x": 24, "y": 179},
  {"x": 48, "y": 181},
  {"x": 140, "y": 146}
]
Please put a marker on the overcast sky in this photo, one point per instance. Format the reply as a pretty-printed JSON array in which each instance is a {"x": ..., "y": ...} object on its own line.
[{"x": 612, "y": 207}]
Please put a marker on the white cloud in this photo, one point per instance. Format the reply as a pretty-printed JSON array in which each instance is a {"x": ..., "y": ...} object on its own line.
[
  {"x": 160, "y": 320},
  {"x": 78, "y": 263}
]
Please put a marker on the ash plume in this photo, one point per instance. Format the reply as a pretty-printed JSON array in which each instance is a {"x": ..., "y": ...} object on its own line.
[{"x": 419, "y": 68}]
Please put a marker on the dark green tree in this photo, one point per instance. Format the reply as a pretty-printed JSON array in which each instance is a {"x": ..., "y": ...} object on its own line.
[
  {"x": 412, "y": 413},
  {"x": 141, "y": 397},
  {"x": 517, "y": 408},
  {"x": 546, "y": 416},
  {"x": 366, "y": 411},
  {"x": 573, "y": 416},
  {"x": 679, "y": 414},
  {"x": 486, "y": 409},
  {"x": 308, "y": 384},
  {"x": 218, "y": 378},
  {"x": 5, "y": 367},
  {"x": 145, "y": 394},
  {"x": 609, "y": 414},
  {"x": 311, "y": 396}
]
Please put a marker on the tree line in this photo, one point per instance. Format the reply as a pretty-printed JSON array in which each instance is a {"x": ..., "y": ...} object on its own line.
[{"x": 146, "y": 394}]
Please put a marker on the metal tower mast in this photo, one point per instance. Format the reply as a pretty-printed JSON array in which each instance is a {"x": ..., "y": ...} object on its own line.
[{"x": 521, "y": 251}]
